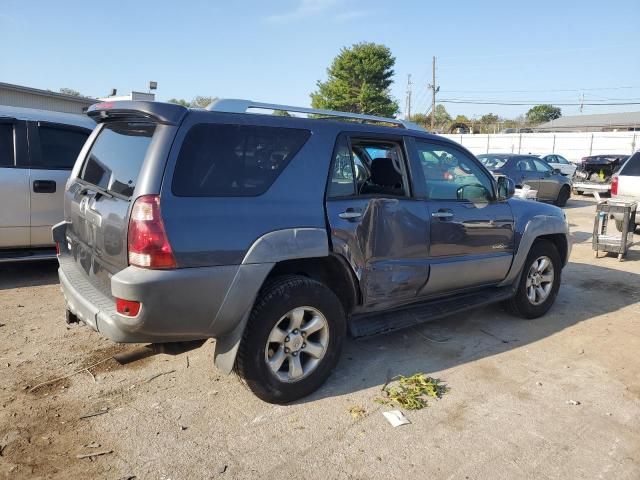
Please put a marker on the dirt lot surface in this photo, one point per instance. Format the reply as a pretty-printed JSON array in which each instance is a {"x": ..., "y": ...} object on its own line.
[{"x": 557, "y": 397}]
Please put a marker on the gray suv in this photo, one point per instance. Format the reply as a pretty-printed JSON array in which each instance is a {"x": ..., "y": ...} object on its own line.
[{"x": 276, "y": 235}]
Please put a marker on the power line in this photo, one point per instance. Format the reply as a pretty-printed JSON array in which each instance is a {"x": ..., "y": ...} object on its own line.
[
  {"x": 546, "y": 100},
  {"x": 541, "y": 90},
  {"x": 479, "y": 102}
]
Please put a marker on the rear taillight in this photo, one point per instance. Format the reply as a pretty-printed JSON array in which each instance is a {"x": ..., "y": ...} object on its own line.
[
  {"x": 58, "y": 248},
  {"x": 614, "y": 186},
  {"x": 148, "y": 244}
]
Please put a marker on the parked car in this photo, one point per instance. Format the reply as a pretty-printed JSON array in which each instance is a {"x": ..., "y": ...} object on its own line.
[
  {"x": 530, "y": 170},
  {"x": 37, "y": 150},
  {"x": 184, "y": 224},
  {"x": 594, "y": 173},
  {"x": 625, "y": 185},
  {"x": 558, "y": 161}
]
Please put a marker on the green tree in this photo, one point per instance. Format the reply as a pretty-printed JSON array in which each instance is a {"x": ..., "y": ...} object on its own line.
[
  {"x": 489, "y": 119},
  {"x": 201, "y": 101},
  {"x": 442, "y": 116},
  {"x": 198, "y": 101},
  {"x": 543, "y": 113},
  {"x": 70, "y": 91},
  {"x": 358, "y": 81},
  {"x": 179, "y": 101},
  {"x": 462, "y": 119},
  {"x": 421, "y": 119}
]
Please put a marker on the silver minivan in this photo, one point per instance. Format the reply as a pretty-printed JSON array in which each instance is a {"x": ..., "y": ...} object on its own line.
[{"x": 37, "y": 151}]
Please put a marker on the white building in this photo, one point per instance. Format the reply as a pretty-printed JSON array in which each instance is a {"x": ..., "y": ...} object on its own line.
[{"x": 27, "y": 97}]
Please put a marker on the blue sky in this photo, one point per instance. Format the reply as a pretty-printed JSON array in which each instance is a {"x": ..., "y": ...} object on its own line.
[{"x": 276, "y": 50}]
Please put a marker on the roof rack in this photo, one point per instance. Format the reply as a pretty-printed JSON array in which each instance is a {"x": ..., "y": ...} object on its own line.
[{"x": 230, "y": 105}]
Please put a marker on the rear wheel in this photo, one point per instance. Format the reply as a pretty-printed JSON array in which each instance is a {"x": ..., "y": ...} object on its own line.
[
  {"x": 563, "y": 196},
  {"x": 539, "y": 282},
  {"x": 293, "y": 339}
]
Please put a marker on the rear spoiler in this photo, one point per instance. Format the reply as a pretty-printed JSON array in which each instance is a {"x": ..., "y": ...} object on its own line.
[{"x": 166, "y": 113}]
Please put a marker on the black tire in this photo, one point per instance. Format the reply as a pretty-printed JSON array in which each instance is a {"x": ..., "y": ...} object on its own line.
[
  {"x": 563, "y": 196},
  {"x": 276, "y": 299},
  {"x": 520, "y": 304}
]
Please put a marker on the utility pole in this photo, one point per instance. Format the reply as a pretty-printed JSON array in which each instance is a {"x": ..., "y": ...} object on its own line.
[
  {"x": 434, "y": 89},
  {"x": 407, "y": 110}
]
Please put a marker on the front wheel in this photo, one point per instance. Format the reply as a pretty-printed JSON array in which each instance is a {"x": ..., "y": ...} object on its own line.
[
  {"x": 293, "y": 339},
  {"x": 539, "y": 282},
  {"x": 563, "y": 196}
]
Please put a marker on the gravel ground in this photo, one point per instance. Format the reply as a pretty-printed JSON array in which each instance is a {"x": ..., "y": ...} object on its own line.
[{"x": 558, "y": 397}]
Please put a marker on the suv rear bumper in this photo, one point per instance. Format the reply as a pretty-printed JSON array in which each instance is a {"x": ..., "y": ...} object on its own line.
[{"x": 177, "y": 305}]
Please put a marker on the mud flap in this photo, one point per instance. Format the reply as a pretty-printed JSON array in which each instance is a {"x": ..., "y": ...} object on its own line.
[
  {"x": 237, "y": 304},
  {"x": 226, "y": 347}
]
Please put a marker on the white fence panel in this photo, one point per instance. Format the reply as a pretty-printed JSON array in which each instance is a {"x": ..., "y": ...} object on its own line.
[{"x": 572, "y": 145}]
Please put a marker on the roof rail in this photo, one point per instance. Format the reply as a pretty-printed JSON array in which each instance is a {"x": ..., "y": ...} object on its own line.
[{"x": 231, "y": 105}]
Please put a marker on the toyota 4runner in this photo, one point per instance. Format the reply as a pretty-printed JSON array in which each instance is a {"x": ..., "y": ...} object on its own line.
[{"x": 276, "y": 235}]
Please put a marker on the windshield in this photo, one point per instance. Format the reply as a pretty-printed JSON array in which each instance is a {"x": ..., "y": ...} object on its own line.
[
  {"x": 491, "y": 162},
  {"x": 115, "y": 159}
]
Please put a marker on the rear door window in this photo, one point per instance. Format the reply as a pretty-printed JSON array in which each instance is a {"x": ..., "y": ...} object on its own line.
[
  {"x": 115, "y": 159},
  {"x": 59, "y": 147},
  {"x": 541, "y": 166},
  {"x": 525, "y": 165},
  {"x": 6, "y": 145},
  {"x": 632, "y": 167},
  {"x": 218, "y": 160}
]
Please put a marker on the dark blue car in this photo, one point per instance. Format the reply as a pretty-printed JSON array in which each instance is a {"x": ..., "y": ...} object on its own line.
[{"x": 530, "y": 170}]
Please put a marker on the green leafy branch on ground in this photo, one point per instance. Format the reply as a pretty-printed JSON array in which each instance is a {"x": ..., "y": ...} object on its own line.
[{"x": 412, "y": 392}]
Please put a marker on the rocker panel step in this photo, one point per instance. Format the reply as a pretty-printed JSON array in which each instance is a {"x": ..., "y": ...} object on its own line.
[{"x": 364, "y": 325}]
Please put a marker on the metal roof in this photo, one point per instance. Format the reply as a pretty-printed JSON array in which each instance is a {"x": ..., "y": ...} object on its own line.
[
  {"x": 607, "y": 120},
  {"x": 47, "y": 93}
]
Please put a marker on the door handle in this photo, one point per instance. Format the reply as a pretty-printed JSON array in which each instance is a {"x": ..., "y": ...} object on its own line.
[
  {"x": 44, "y": 186},
  {"x": 442, "y": 215},
  {"x": 350, "y": 214}
]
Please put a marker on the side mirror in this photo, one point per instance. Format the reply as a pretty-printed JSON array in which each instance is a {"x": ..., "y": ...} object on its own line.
[
  {"x": 506, "y": 188},
  {"x": 557, "y": 171}
]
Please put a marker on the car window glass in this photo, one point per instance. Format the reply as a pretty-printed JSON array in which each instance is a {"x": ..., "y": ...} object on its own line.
[
  {"x": 116, "y": 157},
  {"x": 561, "y": 160},
  {"x": 6, "y": 145},
  {"x": 342, "y": 177},
  {"x": 541, "y": 166},
  {"x": 451, "y": 175},
  {"x": 524, "y": 165},
  {"x": 59, "y": 147},
  {"x": 379, "y": 167},
  {"x": 492, "y": 163},
  {"x": 632, "y": 167},
  {"x": 234, "y": 160}
]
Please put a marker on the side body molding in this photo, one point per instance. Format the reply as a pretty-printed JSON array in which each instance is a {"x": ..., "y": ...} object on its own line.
[
  {"x": 535, "y": 227},
  {"x": 266, "y": 251}
]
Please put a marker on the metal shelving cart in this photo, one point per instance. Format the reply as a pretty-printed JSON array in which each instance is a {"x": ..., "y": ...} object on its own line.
[{"x": 606, "y": 235}]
